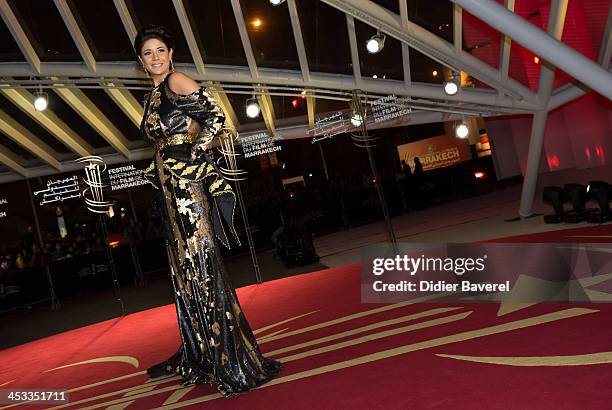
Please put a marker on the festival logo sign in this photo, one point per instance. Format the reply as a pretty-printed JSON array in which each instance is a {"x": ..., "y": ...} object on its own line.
[
  {"x": 436, "y": 152},
  {"x": 259, "y": 143},
  {"x": 127, "y": 176},
  {"x": 390, "y": 107},
  {"x": 122, "y": 177},
  {"x": 329, "y": 125},
  {"x": 94, "y": 194},
  {"x": 59, "y": 190}
]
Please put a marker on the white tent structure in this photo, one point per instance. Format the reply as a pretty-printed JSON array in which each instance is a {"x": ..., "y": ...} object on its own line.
[{"x": 496, "y": 92}]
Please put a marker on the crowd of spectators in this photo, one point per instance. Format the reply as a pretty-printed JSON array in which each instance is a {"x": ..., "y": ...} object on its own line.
[
  {"x": 317, "y": 206},
  {"x": 345, "y": 202},
  {"x": 81, "y": 240}
]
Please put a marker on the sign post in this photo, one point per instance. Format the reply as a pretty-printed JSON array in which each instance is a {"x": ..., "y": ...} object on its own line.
[
  {"x": 366, "y": 140},
  {"x": 98, "y": 205},
  {"x": 55, "y": 303}
]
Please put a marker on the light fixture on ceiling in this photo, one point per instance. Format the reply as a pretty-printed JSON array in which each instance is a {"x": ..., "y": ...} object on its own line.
[
  {"x": 276, "y": 2},
  {"x": 356, "y": 119},
  {"x": 40, "y": 101},
  {"x": 452, "y": 85},
  {"x": 462, "y": 131},
  {"x": 256, "y": 22},
  {"x": 252, "y": 108},
  {"x": 376, "y": 43}
]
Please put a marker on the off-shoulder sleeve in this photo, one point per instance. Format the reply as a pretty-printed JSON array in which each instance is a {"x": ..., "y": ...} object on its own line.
[{"x": 202, "y": 107}]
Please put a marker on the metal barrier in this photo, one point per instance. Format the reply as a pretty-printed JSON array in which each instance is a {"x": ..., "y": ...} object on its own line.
[{"x": 83, "y": 274}]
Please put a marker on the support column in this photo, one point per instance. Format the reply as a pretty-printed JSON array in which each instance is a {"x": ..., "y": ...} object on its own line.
[
  {"x": 360, "y": 109},
  {"x": 556, "y": 21},
  {"x": 530, "y": 181},
  {"x": 324, "y": 162}
]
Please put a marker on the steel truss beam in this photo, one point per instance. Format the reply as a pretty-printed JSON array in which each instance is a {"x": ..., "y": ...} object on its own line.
[
  {"x": 127, "y": 102},
  {"x": 350, "y": 25},
  {"x": 194, "y": 49},
  {"x": 76, "y": 34},
  {"x": 13, "y": 161},
  {"x": 269, "y": 76},
  {"x": 79, "y": 102},
  {"x": 19, "y": 35},
  {"x": 506, "y": 44},
  {"x": 22, "y": 136},
  {"x": 265, "y": 102},
  {"x": 126, "y": 19},
  {"x": 49, "y": 121},
  {"x": 541, "y": 43},
  {"x": 405, "y": 48},
  {"x": 430, "y": 45}
]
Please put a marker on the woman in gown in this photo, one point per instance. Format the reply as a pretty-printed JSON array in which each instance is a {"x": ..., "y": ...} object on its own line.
[{"x": 197, "y": 205}]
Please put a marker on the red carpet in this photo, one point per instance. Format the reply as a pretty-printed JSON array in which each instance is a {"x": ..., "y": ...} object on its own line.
[
  {"x": 546, "y": 356},
  {"x": 590, "y": 234}
]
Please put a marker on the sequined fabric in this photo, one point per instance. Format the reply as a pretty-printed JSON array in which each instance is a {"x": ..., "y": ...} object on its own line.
[{"x": 217, "y": 344}]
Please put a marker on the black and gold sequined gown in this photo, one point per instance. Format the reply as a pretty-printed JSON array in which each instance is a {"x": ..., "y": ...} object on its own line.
[{"x": 217, "y": 344}]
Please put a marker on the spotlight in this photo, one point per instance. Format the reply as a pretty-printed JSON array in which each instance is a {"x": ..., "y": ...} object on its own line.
[
  {"x": 451, "y": 86},
  {"x": 601, "y": 192},
  {"x": 556, "y": 196},
  {"x": 40, "y": 102},
  {"x": 356, "y": 120},
  {"x": 376, "y": 43},
  {"x": 435, "y": 73},
  {"x": 256, "y": 23},
  {"x": 276, "y": 2},
  {"x": 252, "y": 108},
  {"x": 462, "y": 131}
]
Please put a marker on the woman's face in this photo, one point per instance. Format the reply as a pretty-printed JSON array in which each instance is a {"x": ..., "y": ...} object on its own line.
[{"x": 156, "y": 57}]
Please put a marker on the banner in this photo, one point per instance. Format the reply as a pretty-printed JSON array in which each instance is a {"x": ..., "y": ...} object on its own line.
[
  {"x": 259, "y": 143},
  {"x": 436, "y": 152},
  {"x": 390, "y": 107},
  {"x": 126, "y": 176},
  {"x": 59, "y": 190},
  {"x": 328, "y": 125}
]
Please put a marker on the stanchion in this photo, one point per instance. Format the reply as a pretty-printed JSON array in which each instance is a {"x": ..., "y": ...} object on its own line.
[
  {"x": 247, "y": 228},
  {"x": 358, "y": 106},
  {"x": 111, "y": 261}
]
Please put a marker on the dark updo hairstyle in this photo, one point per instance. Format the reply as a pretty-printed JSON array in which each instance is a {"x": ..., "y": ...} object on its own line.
[{"x": 153, "y": 31}]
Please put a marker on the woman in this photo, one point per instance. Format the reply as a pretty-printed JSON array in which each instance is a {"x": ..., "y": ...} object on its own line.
[{"x": 197, "y": 204}]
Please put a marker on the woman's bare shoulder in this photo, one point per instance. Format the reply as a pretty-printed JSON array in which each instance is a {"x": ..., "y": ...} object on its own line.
[{"x": 182, "y": 84}]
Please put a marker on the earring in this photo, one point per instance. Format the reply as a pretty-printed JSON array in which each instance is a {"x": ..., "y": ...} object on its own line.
[{"x": 171, "y": 67}]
